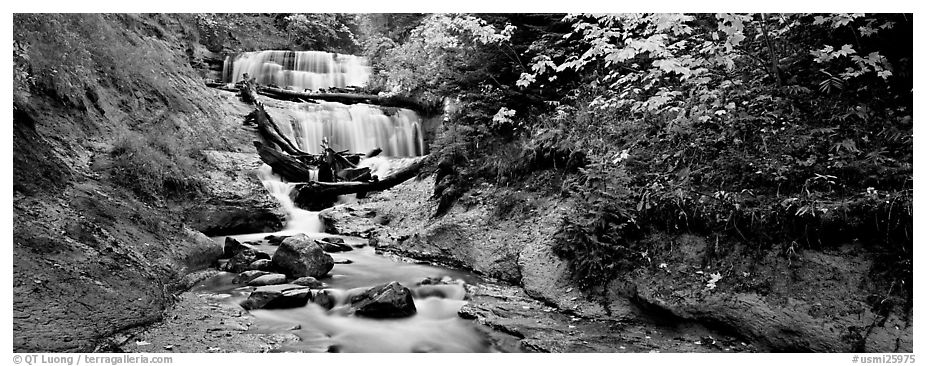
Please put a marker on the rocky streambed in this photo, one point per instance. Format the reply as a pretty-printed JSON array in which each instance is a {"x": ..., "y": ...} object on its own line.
[{"x": 326, "y": 293}]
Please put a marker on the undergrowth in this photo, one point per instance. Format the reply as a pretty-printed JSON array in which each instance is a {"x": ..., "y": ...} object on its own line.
[{"x": 155, "y": 168}]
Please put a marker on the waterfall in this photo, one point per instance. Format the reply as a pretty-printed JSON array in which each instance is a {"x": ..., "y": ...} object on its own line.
[
  {"x": 357, "y": 128},
  {"x": 302, "y": 70},
  {"x": 300, "y": 221}
]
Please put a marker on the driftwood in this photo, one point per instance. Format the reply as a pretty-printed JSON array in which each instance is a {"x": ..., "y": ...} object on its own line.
[
  {"x": 265, "y": 125},
  {"x": 345, "y": 98},
  {"x": 286, "y": 166},
  {"x": 295, "y": 165},
  {"x": 340, "y": 97},
  {"x": 316, "y": 194}
]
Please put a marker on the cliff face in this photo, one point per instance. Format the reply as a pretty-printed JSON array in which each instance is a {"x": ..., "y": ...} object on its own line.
[{"x": 110, "y": 121}]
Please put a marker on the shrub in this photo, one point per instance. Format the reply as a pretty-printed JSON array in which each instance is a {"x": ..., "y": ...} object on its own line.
[
  {"x": 154, "y": 168},
  {"x": 598, "y": 238}
]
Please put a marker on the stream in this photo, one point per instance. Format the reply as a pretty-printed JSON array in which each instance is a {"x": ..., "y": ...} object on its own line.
[
  {"x": 457, "y": 311},
  {"x": 435, "y": 328}
]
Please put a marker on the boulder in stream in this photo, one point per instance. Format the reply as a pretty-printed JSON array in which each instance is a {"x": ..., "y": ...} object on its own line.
[
  {"x": 324, "y": 299},
  {"x": 247, "y": 276},
  {"x": 241, "y": 261},
  {"x": 308, "y": 281},
  {"x": 299, "y": 256},
  {"x": 390, "y": 300},
  {"x": 277, "y": 297},
  {"x": 334, "y": 245},
  {"x": 275, "y": 239},
  {"x": 231, "y": 247},
  {"x": 261, "y": 265},
  {"x": 268, "y": 279}
]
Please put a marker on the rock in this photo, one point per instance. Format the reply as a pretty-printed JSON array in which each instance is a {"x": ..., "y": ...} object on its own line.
[
  {"x": 324, "y": 299},
  {"x": 241, "y": 262},
  {"x": 268, "y": 279},
  {"x": 299, "y": 256},
  {"x": 275, "y": 239},
  {"x": 334, "y": 245},
  {"x": 333, "y": 240},
  {"x": 343, "y": 261},
  {"x": 276, "y": 297},
  {"x": 340, "y": 220},
  {"x": 308, "y": 281},
  {"x": 236, "y": 218},
  {"x": 390, "y": 300},
  {"x": 231, "y": 247},
  {"x": 238, "y": 202},
  {"x": 547, "y": 277},
  {"x": 445, "y": 280},
  {"x": 247, "y": 276},
  {"x": 261, "y": 265}
]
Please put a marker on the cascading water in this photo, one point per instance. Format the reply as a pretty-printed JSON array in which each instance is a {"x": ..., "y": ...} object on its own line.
[
  {"x": 300, "y": 221},
  {"x": 435, "y": 328},
  {"x": 303, "y": 70},
  {"x": 357, "y": 128}
]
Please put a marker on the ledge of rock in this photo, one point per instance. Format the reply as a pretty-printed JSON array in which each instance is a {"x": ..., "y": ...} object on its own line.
[
  {"x": 808, "y": 304},
  {"x": 238, "y": 202}
]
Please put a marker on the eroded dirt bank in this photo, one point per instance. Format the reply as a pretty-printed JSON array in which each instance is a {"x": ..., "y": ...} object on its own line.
[
  {"x": 101, "y": 101},
  {"x": 780, "y": 300}
]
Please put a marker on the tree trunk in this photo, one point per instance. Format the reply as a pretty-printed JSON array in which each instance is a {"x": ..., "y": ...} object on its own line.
[
  {"x": 347, "y": 98},
  {"x": 268, "y": 129},
  {"x": 288, "y": 167},
  {"x": 772, "y": 53},
  {"x": 314, "y": 195}
]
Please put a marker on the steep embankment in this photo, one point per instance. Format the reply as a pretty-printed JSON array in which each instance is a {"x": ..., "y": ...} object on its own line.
[
  {"x": 786, "y": 301},
  {"x": 109, "y": 128}
]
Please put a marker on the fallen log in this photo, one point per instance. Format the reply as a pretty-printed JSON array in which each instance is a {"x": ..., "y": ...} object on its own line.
[
  {"x": 341, "y": 96},
  {"x": 265, "y": 125},
  {"x": 319, "y": 195},
  {"x": 284, "y": 165},
  {"x": 348, "y": 98}
]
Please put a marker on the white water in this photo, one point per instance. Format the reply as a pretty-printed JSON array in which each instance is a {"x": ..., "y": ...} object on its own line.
[
  {"x": 435, "y": 328},
  {"x": 299, "y": 220},
  {"x": 357, "y": 127},
  {"x": 302, "y": 70}
]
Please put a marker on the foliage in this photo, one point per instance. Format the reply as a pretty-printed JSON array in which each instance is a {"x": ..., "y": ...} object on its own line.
[
  {"x": 760, "y": 127},
  {"x": 597, "y": 238},
  {"x": 154, "y": 168},
  {"x": 438, "y": 53},
  {"x": 212, "y": 33},
  {"x": 321, "y": 31}
]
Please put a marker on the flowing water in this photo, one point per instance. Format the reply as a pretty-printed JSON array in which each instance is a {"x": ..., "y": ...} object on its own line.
[
  {"x": 357, "y": 127},
  {"x": 302, "y": 70},
  {"x": 435, "y": 328}
]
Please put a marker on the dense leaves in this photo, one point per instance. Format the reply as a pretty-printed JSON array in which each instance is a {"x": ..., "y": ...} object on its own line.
[{"x": 767, "y": 129}]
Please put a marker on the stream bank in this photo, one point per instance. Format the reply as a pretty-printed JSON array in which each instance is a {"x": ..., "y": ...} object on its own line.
[{"x": 808, "y": 301}]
